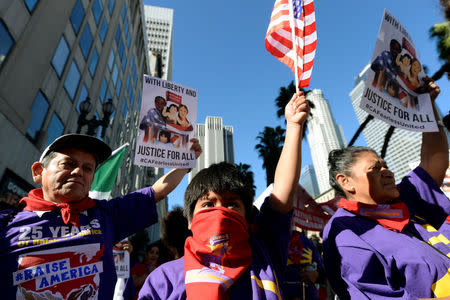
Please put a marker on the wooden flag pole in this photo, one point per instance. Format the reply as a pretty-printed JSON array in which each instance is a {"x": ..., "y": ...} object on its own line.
[{"x": 294, "y": 43}]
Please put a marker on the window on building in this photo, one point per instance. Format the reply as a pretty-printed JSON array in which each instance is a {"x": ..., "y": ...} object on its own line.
[
  {"x": 124, "y": 108},
  {"x": 97, "y": 10},
  {"x": 103, "y": 30},
  {"x": 77, "y": 16},
  {"x": 115, "y": 73},
  {"x": 118, "y": 32},
  {"x": 38, "y": 112},
  {"x": 131, "y": 102},
  {"x": 129, "y": 41},
  {"x": 124, "y": 10},
  {"x": 60, "y": 57},
  {"x": 93, "y": 63},
  {"x": 111, "y": 60},
  {"x": 31, "y": 4},
  {"x": 54, "y": 130},
  {"x": 103, "y": 90},
  {"x": 124, "y": 63},
  {"x": 83, "y": 95},
  {"x": 6, "y": 42},
  {"x": 86, "y": 41},
  {"x": 72, "y": 80},
  {"x": 125, "y": 27},
  {"x": 118, "y": 88},
  {"x": 111, "y": 5},
  {"x": 121, "y": 49}
]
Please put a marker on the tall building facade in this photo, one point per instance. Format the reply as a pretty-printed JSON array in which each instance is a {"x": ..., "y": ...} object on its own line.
[
  {"x": 217, "y": 144},
  {"x": 308, "y": 180},
  {"x": 55, "y": 54},
  {"x": 404, "y": 145},
  {"x": 323, "y": 136},
  {"x": 159, "y": 30}
]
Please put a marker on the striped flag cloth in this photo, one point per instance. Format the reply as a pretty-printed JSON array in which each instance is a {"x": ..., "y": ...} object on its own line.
[
  {"x": 106, "y": 173},
  {"x": 279, "y": 36}
]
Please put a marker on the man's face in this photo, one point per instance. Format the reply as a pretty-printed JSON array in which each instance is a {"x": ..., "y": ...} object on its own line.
[
  {"x": 160, "y": 103},
  {"x": 68, "y": 176}
]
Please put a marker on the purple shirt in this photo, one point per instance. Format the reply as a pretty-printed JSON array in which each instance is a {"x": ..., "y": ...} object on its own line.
[
  {"x": 269, "y": 243},
  {"x": 41, "y": 256},
  {"x": 364, "y": 260}
]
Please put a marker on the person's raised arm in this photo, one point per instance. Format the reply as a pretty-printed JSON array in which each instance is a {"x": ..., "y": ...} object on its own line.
[
  {"x": 434, "y": 153},
  {"x": 167, "y": 183},
  {"x": 287, "y": 173}
]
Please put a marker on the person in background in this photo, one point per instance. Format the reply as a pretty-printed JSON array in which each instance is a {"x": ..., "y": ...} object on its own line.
[
  {"x": 304, "y": 267},
  {"x": 175, "y": 232},
  {"x": 151, "y": 261},
  {"x": 224, "y": 259},
  {"x": 389, "y": 241}
]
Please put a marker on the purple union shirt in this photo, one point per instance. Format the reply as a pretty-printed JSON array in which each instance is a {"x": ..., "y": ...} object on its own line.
[
  {"x": 364, "y": 260},
  {"x": 41, "y": 257}
]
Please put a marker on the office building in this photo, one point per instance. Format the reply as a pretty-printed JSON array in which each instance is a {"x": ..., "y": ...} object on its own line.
[
  {"x": 217, "y": 144},
  {"x": 308, "y": 180},
  {"x": 55, "y": 54},
  {"x": 159, "y": 30},
  {"x": 323, "y": 136}
]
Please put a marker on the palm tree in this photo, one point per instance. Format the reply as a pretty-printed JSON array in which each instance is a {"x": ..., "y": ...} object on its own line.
[
  {"x": 269, "y": 149},
  {"x": 441, "y": 31},
  {"x": 248, "y": 175},
  {"x": 283, "y": 99}
]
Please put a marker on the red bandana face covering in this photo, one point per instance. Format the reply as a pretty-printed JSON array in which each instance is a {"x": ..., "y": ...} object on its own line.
[
  {"x": 392, "y": 216},
  {"x": 70, "y": 212},
  {"x": 217, "y": 254}
]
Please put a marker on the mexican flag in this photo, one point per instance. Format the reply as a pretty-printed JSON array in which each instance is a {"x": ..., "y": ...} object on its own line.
[{"x": 106, "y": 173}]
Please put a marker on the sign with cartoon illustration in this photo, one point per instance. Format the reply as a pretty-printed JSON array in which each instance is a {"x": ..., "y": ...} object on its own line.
[
  {"x": 394, "y": 80},
  {"x": 167, "y": 122}
]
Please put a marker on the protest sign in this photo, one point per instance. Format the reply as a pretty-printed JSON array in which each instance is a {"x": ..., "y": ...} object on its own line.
[
  {"x": 122, "y": 262},
  {"x": 308, "y": 214},
  {"x": 394, "y": 80},
  {"x": 168, "y": 119}
]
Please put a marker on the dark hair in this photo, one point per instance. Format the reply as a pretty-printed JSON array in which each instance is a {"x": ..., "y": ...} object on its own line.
[
  {"x": 175, "y": 230},
  {"x": 219, "y": 178},
  {"x": 172, "y": 105},
  {"x": 406, "y": 55},
  {"x": 392, "y": 83},
  {"x": 159, "y": 97},
  {"x": 165, "y": 133},
  {"x": 341, "y": 161}
]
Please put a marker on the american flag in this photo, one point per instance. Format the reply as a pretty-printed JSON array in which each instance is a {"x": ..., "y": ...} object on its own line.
[{"x": 279, "y": 36}]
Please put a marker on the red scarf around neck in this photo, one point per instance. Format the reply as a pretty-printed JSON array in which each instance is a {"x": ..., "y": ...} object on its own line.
[
  {"x": 393, "y": 216},
  {"x": 217, "y": 254},
  {"x": 70, "y": 212}
]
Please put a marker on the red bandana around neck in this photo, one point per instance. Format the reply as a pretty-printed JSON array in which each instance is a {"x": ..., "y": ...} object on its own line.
[
  {"x": 217, "y": 254},
  {"x": 393, "y": 216},
  {"x": 70, "y": 212}
]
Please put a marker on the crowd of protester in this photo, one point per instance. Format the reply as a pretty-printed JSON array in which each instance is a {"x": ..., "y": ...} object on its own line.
[{"x": 384, "y": 241}]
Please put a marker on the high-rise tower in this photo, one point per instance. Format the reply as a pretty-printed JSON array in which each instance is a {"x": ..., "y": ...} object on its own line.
[
  {"x": 324, "y": 135},
  {"x": 217, "y": 144}
]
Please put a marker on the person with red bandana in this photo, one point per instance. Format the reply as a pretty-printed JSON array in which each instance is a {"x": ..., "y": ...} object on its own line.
[
  {"x": 389, "y": 241},
  {"x": 57, "y": 244},
  {"x": 235, "y": 252}
]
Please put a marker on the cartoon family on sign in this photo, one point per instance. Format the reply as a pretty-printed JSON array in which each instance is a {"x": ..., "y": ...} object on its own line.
[
  {"x": 167, "y": 122},
  {"x": 397, "y": 71}
]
